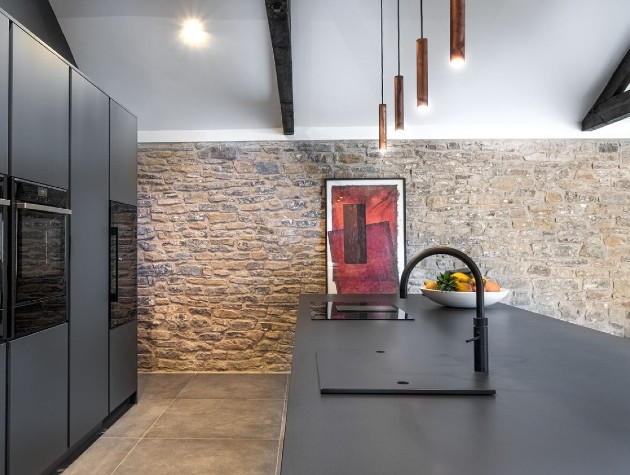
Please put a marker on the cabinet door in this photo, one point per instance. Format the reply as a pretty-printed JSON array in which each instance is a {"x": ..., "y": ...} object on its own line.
[
  {"x": 122, "y": 155},
  {"x": 123, "y": 363},
  {"x": 38, "y": 400},
  {"x": 3, "y": 404},
  {"x": 89, "y": 257},
  {"x": 4, "y": 97},
  {"x": 40, "y": 112}
]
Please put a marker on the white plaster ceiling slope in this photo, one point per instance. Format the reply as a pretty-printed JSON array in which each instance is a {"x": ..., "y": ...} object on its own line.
[{"x": 533, "y": 69}]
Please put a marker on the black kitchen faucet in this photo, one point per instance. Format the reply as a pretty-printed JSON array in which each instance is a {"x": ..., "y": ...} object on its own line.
[{"x": 480, "y": 322}]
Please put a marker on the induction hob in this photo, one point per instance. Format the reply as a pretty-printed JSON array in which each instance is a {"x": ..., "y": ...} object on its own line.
[{"x": 357, "y": 311}]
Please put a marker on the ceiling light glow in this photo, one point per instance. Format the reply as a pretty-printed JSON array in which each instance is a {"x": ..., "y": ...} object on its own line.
[
  {"x": 193, "y": 33},
  {"x": 458, "y": 62}
]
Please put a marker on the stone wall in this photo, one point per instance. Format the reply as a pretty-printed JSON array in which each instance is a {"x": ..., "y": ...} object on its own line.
[{"x": 230, "y": 234}]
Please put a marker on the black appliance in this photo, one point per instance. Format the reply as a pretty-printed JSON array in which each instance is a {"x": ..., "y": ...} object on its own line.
[
  {"x": 123, "y": 293},
  {"x": 357, "y": 311},
  {"x": 4, "y": 217},
  {"x": 39, "y": 242}
]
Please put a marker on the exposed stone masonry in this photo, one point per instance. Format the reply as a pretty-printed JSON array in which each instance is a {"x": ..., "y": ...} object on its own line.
[{"x": 231, "y": 233}]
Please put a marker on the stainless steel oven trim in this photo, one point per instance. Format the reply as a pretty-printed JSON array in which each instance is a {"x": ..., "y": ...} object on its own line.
[{"x": 47, "y": 209}]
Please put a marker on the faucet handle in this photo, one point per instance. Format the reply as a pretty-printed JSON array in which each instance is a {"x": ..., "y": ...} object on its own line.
[{"x": 475, "y": 338}]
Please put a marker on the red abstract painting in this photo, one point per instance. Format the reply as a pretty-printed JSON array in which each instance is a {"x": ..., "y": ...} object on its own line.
[{"x": 365, "y": 224}]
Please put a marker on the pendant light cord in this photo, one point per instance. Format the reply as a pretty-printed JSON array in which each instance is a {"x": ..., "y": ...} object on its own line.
[
  {"x": 421, "y": 21},
  {"x": 398, "y": 19},
  {"x": 382, "y": 92}
]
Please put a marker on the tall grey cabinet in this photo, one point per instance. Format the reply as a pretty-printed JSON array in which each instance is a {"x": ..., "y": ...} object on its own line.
[
  {"x": 89, "y": 193},
  {"x": 39, "y": 151},
  {"x": 123, "y": 352},
  {"x": 4, "y": 169},
  {"x": 61, "y": 384}
]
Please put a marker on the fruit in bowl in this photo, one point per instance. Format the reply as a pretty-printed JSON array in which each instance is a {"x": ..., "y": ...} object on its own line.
[{"x": 458, "y": 289}]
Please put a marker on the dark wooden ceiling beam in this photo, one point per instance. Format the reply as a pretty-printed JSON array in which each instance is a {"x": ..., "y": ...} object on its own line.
[
  {"x": 618, "y": 82},
  {"x": 278, "y": 15},
  {"x": 614, "y": 109},
  {"x": 613, "y": 104}
]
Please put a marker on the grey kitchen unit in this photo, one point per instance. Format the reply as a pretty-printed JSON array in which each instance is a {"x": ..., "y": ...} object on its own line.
[
  {"x": 37, "y": 400},
  {"x": 4, "y": 169},
  {"x": 89, "y": 194},
  {"x": 123, "y": 354},
  {"x": 40, "y": 112},
  {"x": 37, "y": 376},
  {"x": 55, "y": 138},
  {"x": 561, "y": 404}
]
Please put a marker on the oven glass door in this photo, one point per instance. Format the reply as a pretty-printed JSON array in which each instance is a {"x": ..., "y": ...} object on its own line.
[
  {"x": 123, "y": 293},
  {"x": 4, "y": 209},
  {"x": 39, "y": 283}
]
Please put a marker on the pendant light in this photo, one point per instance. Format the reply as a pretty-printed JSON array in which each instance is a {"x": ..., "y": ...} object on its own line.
[
  {"x": 382, "y": 108},
  {"x": 399, "y": 96},
  {"x": 422, "y": 66},
  {"x": 458, "y": 32}
]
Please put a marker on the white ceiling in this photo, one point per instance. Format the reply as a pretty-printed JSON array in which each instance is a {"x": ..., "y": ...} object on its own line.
[{"x": 533, "y": 69}]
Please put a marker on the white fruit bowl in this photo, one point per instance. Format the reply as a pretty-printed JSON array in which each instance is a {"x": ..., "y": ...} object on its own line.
[{"x": 464, "y": 299}]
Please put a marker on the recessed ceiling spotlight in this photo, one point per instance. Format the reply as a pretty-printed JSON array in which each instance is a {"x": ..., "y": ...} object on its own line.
[{"x": 193, "y": 32}]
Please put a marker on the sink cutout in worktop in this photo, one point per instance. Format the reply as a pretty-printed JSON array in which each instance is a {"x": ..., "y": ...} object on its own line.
[
  {"x": 385, "y": 372},
  {"x": 356, "y": 311}
]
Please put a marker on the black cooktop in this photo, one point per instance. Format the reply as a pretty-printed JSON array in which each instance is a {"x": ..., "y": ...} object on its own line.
[{"x": 357, "y": 311}]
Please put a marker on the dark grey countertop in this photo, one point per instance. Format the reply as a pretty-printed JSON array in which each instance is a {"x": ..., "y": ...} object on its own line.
[{"x": 562, "y": 404}]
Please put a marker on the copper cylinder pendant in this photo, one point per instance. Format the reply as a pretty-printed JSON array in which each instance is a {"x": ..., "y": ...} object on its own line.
[
  {"x": 382, "y": 127},
  {"x": 422, "y": 72},
  {"x": 458, "y": 28},
  {"x": 399, "y": 103}
]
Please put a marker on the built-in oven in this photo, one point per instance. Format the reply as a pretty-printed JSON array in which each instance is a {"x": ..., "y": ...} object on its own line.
[
  {"x": 5, "y": 205},
  {"x": 39, "y": 242},
  {"x": 123, "y": 293}
]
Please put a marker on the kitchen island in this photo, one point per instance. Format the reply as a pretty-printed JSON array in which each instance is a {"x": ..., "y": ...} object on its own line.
[{"x": 562, "y": 403}]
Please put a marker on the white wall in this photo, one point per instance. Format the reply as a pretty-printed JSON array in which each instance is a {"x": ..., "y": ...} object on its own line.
[{"x": 533, "y": 69}]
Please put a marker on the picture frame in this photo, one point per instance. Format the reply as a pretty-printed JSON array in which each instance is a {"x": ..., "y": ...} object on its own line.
[{"x": 365, "y": 235}]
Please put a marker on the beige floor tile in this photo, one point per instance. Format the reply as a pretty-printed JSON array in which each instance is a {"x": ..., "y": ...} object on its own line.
[
  {"x": 217, "y": 424},
  {"x": 161, "y": 386},
  {"x": 102, "y": 457},
  {"x": 136, "y": 421},
  {"x": 236, "y": 386},
  {"x": 220, "y": 418},
  {"x": 201, "y": 457}
]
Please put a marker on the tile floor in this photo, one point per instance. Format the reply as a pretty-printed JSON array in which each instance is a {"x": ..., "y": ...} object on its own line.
[{"x": 189, "y": 424}]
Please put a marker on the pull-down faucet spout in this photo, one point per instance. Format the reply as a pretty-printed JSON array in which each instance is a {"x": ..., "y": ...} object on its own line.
[{"x": 480, "y": 322}]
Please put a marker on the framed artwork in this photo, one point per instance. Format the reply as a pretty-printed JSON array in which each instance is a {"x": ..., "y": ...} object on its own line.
[{"x": 365, "y": 235}]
